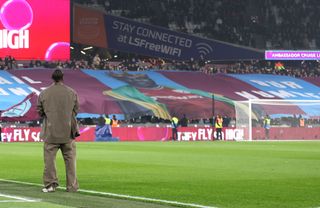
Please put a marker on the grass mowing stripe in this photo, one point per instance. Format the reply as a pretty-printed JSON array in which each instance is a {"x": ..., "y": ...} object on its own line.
[
  {"x": 22, "y": 199},
  {"x": 121, "y": 196},
  {"x": 63, "y": 199},
  {"x": 221, "y": 174}
]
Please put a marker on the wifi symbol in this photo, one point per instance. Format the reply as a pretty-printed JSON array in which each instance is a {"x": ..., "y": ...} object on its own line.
[{"x": 204, "y": 48}]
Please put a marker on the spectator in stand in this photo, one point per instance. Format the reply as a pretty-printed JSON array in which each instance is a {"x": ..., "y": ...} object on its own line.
[
  {"x": 100, "y": 121},
  {"x": 301, "y": 121},
  {"x": 184, "y": 121},
  {"x": 96, "y": 61},
  {"x": 292, "y": 68},
  {"x": 263, "y": 24},
  {"x": 226, "y": 121}
]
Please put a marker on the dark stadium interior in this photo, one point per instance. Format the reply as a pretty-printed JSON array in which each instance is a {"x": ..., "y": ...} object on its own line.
[{"x": 267, "y": 24}]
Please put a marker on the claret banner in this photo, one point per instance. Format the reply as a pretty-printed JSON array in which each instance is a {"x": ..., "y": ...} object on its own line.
[
  {"x": 158, "y": 93},
  {"x": 34, "y": 29}
]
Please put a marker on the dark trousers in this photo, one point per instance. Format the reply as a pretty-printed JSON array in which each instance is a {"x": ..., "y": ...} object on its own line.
[
  {"x": 174, "y": 134},
  {"x": 267, "y": 133},
  {"x": 219, "y": 133},
  {"x": 69, "y": 155}
]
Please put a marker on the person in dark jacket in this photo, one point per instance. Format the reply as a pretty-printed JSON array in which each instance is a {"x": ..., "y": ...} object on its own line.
[{"x": 184, "y": 121}]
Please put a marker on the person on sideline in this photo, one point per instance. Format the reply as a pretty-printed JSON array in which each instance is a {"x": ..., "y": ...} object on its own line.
[
  {"x": 218, "y": 126},
  {"x": 107, "y": 120},
  {"x": 266, "y": 126},
  {"x": 58, "y": 105},
  {"x": 174, "y": 124},
  {"x": 184, "y": 121},
  {"x": 114, "y": 121}
]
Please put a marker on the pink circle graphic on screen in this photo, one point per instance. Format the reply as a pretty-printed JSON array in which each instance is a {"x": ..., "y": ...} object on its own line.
[
  {"x": 16, "y": 15},
  {"x": 58, "y": 51}
]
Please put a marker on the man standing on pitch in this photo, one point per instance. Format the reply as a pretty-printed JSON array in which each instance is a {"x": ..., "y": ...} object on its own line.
[{"x": 58, "y": 105}]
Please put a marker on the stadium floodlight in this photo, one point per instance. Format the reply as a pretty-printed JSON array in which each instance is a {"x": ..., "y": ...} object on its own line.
[
  {"x": 285, "y": 118},
  {"x": 87, "y": 48}
]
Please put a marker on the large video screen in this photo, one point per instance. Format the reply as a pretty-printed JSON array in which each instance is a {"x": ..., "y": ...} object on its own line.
[{"x": 35, "y": 29}]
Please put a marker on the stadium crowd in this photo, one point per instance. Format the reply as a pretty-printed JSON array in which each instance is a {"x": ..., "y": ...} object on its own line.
[
  {"x": 290, "y": 24},
  {"x": 267, "y": 24},
  {"x": 288, "y": 68}
]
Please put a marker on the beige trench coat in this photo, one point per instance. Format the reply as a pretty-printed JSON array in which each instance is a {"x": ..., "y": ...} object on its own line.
[{"x": 58, "y": 105}]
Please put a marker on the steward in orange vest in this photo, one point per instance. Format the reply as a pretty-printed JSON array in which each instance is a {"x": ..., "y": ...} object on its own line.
[{"x": 114, "y": 121}]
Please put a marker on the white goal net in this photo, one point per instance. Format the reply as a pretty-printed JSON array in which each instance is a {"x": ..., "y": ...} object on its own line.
[{"x": 289, "y": 119}]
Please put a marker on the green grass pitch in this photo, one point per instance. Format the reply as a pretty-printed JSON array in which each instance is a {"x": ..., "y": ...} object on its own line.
[{"x": 216, "y": 174}]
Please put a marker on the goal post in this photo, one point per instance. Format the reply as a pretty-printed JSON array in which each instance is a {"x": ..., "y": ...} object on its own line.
[{"x": 290, "y": 119}]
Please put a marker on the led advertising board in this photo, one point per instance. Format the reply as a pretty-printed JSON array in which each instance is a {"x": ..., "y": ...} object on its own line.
[{"x": 35, "y": 29}]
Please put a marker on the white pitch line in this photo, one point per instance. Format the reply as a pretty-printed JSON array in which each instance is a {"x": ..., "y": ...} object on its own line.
[
  {"x": 21, "y": 199},
  {"x": 9, "y": 201},
  {"x": 121, "y": 196}
]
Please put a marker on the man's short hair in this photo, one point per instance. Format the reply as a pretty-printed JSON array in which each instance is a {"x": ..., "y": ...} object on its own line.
[{"x": 57, "y": 75}]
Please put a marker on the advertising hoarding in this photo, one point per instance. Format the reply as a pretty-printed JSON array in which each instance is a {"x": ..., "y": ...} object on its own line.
[{"x": 33, "y": 29}]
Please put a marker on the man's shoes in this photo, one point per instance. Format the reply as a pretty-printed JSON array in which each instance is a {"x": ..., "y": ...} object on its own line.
[
  {"x": 71, "y": 190},
  {"x": 49, "y": 189}
]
